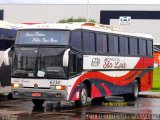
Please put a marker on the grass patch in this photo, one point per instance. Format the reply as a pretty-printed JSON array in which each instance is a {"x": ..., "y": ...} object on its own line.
[
  {"x": 156, "y": 79},
  {"x": 155, "y": 90}
]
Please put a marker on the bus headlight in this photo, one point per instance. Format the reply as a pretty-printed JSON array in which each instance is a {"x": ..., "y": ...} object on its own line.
[
  {"x": 58, "y": 87},
  {"x": 16, "y": 85}
]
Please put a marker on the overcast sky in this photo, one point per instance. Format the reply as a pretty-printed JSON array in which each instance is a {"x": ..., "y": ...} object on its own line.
[{"x": 79, "y": 1}]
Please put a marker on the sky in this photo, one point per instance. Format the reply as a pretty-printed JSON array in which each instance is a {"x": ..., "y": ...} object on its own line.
[{"x": 79, "y": 1}]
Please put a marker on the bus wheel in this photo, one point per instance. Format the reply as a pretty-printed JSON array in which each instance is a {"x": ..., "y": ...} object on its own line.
[
  {"x": 134, "y": 95},
  {"x": 37, "y": 102},
  {"x": 10, "y": 96},
  {"x": 83, "y": 97}
]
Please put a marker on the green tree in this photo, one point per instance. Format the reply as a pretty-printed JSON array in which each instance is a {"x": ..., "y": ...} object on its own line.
[{"x": 72, "y": 19}]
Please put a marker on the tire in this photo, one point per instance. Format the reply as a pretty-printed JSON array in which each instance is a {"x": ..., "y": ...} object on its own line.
[
  {"x": 134, "y": 95},
  {"x": 37, "y": 102},
  {"x": 83, "y": 97},
  {"x": 98, "y": 101},
  {"x": 10, "y": 96}
]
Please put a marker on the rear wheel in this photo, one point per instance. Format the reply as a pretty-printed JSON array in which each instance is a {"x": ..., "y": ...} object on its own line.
[
  {"x": 37, "y": 102},
  {"x": 83, "y": 97},
  {"x": 134, "y": 95}
]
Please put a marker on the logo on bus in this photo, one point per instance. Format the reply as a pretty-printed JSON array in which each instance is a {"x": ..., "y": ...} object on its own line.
[
  {"x": 114, "y": 63},
  {"x": 95, "y": 62},
  {"x": 36, "y": 85}
]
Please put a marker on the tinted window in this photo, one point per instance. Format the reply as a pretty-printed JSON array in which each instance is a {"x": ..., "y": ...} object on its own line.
[
  {"x": 89, "y": 42},
  {"x": 149, "y": 48},
  {"x": 5, "y": 44},
  {"x": 142, "y": 47},
  {"x": 113, "y": 44},
  {"x": 101, "y": 43},
  {"x": 7, "y": 33},
  {"x": 3, "y": 33},
  {"x": 123, "y": 45},
  {"x": 11, "y": 33},
  {"x": 76, "y": 41},
  {"x": 133, "y": 46}
]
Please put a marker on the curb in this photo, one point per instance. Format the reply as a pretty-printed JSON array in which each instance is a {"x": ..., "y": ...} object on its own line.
[{"x": 149, "y": 94}]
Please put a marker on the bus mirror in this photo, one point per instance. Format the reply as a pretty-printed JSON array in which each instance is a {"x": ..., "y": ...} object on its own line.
[
  {"x": 66, "y": 58},
  {"x": 6, "y": 56}
]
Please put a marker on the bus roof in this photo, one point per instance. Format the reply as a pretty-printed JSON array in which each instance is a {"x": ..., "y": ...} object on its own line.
[
  {"x": 85, "y": 26},
  {"x": 7, "y": 25},
  {"x": 156, "y": 44}
]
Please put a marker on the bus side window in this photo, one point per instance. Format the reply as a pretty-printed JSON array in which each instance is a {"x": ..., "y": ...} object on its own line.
[
  {"x": 11, "y": 33},
  {"x": 3, "y": 33},
  {"x": 113, "y": 44},
  {"x": 149, "y": 48},
  {"x": 101, "y": 43},
  {"x": 123, "y": 45},
  {"x": 76, "y": 40},
  {"x": 79, "y": 64},
  {"x": 133, "y": 45},
  {"x": 72, "y": 64},
  {"x": 89, "y": 42},
  {"x": 75, "y": 65},
  {"x": 142, "y": 47}
]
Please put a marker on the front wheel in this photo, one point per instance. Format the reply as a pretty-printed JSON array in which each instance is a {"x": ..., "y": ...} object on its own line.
[
  {"x": 134, "y": 95},
  {"x": 83, "y": 97},
  {"x": 37, "y": 102}
]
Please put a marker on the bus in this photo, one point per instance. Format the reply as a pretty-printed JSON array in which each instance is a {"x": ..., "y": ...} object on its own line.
[
  {"x": 7, "y": 38},
  {"x": 74, "y": 62},
  {"x": 156, "y": 55}
]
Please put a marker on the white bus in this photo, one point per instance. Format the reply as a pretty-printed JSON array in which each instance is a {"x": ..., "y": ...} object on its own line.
[
  {"x": 7, "y": 38},
  {"x": 75, "y": 61}
]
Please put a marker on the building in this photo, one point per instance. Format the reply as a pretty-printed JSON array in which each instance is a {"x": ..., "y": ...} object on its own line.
[{"x": 38, "y": 13}]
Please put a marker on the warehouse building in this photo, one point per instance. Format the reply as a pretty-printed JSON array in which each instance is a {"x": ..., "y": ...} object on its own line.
[{"x": 138, "y": 18}]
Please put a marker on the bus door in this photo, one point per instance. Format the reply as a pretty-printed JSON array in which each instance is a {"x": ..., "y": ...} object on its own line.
[{"x": 75, "y": 64}]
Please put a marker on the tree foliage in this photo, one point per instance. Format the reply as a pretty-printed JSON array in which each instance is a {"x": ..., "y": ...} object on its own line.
[{"x": 72, "y": 19}]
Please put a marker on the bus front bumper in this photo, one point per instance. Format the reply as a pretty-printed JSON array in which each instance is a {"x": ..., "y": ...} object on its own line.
[{"x": 58, "y": 95}]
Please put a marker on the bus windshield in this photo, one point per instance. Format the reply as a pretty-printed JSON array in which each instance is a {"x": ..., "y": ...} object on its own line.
[
  {"x": 42, "y": 37},
  {"x": 38, "y": 62}
]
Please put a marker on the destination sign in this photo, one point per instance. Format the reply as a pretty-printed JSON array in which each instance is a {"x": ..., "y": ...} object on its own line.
[{"x": 43, "y": 37}]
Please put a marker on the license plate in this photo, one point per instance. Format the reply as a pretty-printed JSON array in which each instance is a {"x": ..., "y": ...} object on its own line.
[{"x": 36, "y": 95}]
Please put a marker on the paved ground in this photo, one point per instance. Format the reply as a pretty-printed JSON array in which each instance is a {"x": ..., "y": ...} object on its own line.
[
  {"x": 150, "y": 94},
  {"x": 111, "y": 108}
]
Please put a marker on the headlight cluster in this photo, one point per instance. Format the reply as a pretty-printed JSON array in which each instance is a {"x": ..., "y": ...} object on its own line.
[
  {"x": 58, "y": 87},
  {"x": 16, "y": 85}
]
